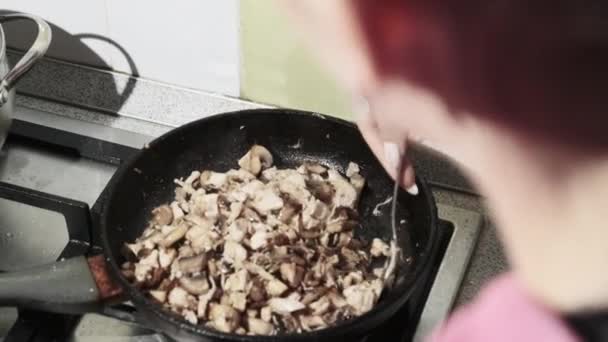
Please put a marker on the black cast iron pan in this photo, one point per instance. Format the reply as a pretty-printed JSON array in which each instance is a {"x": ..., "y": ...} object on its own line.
[{"x": 146, "y": 181}]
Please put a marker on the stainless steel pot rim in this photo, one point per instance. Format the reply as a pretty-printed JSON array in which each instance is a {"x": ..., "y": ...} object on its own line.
[{"x": 2, "y": 45}]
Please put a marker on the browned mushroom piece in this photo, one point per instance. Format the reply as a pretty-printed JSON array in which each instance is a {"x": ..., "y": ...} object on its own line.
[
  {"x": 162, "y": 215},
  {"x": 196, "y": 285},
  {"x": 310, "y": 323},
  {"x": 256, "y": 159},
  {"x": 210, "y": 180},
  {"x": 259, "y": 327},
  {"x": 224, "y": 318},
  {"x": 159, "y": 295},
  {"x": 192, "y": 264},
  {"x": 322, "y": 190},
  {"x": 285, "y": 305},
  {"x": 292, "y": 274},
  {"x": 174, "y": 235}
]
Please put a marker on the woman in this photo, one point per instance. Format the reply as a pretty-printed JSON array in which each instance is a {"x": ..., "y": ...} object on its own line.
[{"x": 514, "y": 90}]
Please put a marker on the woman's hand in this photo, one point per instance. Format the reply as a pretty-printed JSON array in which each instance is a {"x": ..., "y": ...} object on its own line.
[{"x": 389, "y": 152}]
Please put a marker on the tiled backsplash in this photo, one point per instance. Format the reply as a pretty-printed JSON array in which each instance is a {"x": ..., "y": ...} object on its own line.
[
  {"x": 189, "y": 43},
  {"x": 240, "y": 48}
]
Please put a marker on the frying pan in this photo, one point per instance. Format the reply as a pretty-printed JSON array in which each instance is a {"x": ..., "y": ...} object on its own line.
[{"x": 95, "y": 283}]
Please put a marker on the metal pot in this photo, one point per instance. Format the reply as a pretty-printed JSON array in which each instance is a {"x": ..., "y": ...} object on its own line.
[{"x": 8, "y": 77}]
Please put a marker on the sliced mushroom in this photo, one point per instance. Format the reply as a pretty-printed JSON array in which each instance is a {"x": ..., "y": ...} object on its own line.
[
  {"x": 259, "y": 327},
  {"x": 310, "y": 323},
  {"x": 234, "y": 253},
  {"x": 159, "y": 295},
  {"x": 322, "y": 190},
  {"x": 176, "y": 211},
  {"x": 224, "y": 318},
  {"x": 288, "y": 211},
  {"x": 179, "y": 298},
  {"x": 166, "y": 257},
  {"x": 237, "y": 230},
  {"x": 275, "y": 287},
  {"x": 206, "y": 205},
  {"x": 292, "y": 274},
  {"x": 285, "y": 305},
  {"x": 203, "y": 300},
  {"x": 266, "y": 314},
  {"x": 240, "y": 175},
  {"x": 336, "y": 299},
  {"x": 195, "y": 285},
  {"x": 266, "y": 201},
  {"x": 352, "y": 169},
  {"x": 259, "y": 240},
  {"x": 162, "y": 215},
  {"x": 257, "y": 293},
  {"x": 238, "y": 300},
  {"x": 315, "y": 168},
  {"x": 361, "y": 297},
  {"x": 345, "y": 194},
  {"x": 237, "y": 282},
  {"x": 320, "y": 306},
  {"x": 213, "y": 180},
  {"x": 176, "y": 234},
  {"x": 190, "y": 316},
  {"x": 192, "y": 264},
  {"x": 256, "y": 159},
  {"x": 380, "y": 248},
  {"x": 130, "y": 250}
]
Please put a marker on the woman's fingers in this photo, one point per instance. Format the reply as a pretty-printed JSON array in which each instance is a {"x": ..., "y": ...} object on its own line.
[{"x": 390, "y": 154}]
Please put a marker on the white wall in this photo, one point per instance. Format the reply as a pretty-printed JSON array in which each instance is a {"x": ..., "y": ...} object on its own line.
[{"x": 189, "y": 43}]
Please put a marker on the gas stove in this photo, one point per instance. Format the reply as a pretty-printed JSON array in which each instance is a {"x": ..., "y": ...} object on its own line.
[{"x": 53, "y": 172}]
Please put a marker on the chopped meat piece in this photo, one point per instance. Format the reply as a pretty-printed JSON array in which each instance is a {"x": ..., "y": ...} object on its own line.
[
  {"x": 285, "y": 305},
  {"x": 146, "y": 265},
  {"x": 207, "y": 206}
]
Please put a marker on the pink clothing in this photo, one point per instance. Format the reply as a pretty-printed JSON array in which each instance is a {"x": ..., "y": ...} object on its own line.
[{"x": 504, "y": 313}]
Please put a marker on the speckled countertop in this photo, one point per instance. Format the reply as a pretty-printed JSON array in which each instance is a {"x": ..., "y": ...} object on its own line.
[{"x": 152, "y": 108}]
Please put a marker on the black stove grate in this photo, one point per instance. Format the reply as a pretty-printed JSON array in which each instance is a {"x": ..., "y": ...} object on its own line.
[{"x": 34, "y": 326}]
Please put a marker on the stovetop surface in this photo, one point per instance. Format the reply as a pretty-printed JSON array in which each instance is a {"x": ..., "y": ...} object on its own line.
[{"x": 42, "y": 166}]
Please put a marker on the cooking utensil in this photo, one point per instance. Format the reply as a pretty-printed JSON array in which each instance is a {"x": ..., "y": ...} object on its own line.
[
  {"x": 216, "y": 143},
  {"x": 9, "y": 77}
]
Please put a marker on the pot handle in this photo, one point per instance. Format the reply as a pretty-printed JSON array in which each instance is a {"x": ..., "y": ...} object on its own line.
[
  {"x": 37, "y": 50},
  {"x": 74, "y": 286}
]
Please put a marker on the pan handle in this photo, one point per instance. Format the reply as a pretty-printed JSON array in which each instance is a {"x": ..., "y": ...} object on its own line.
[{"x": 73, "y": 286}]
